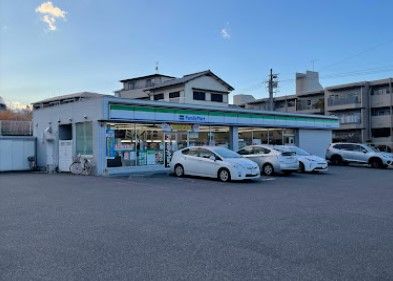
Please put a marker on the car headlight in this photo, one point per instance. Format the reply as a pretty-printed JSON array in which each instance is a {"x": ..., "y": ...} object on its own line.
[
  {"x": 387, "y": 156},
  {"x": 238, "y": 166}
]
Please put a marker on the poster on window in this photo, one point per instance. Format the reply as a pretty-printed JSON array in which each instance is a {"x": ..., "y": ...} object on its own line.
[
  {"x": 110, "y": 143},
  {"x": 167, "y": 150}
]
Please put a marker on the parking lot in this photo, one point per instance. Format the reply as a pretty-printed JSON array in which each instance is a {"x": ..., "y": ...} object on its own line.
[{"x": 333, "y": 226}]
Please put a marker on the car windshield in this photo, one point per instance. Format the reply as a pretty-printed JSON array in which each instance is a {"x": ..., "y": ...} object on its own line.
[
  {"x": 372, "y": 148},
  {"x": 284, "y": 151},
  {"x": 299, "y": 151},
  {"x": 225, "y": 153}
]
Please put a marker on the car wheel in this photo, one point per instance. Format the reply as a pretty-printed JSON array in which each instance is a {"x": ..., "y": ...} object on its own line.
[
  {"x": 336, "y": 160},
  {"x": 224, "y": 175},
  {"x": 302, "y": 169},
  {"x": 376, "y": 163},
  {"x": 268, "y": 170},
  {"x": 179, "y": 170}
]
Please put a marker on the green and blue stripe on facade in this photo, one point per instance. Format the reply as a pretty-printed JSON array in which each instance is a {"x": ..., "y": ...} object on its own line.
[{"x": 163, "y": 114}]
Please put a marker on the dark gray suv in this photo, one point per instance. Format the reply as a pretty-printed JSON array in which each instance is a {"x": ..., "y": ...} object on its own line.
[{"x": 340, "y": 153}]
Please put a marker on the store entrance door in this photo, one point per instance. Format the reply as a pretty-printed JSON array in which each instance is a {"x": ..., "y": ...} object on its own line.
[
  {"x": 173, "y": 141},
  {"x": 288, "y": 139}
]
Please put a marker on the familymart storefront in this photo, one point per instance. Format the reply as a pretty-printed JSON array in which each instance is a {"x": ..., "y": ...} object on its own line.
[{"x": 142, "y": 135}]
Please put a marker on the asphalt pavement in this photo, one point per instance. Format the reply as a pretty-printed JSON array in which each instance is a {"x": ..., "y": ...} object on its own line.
[{"x": 333, "y": 226}]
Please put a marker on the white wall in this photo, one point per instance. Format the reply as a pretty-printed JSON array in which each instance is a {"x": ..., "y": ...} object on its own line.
[
  {"x": 54, "y": 116},
  {"x": 314, "y": 141},
  {"x": 166, "y": 94},
  {"x": 205, "y": 83}
]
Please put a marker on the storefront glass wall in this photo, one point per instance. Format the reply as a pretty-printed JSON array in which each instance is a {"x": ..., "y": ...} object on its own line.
[
  {"x": 129, "y": 144},
  {"x": 275, "y": 136}
]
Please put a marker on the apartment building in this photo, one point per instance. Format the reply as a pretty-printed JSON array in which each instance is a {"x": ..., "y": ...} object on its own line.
[
  {"x": 203, "y": 88},
  {"x": 364, "y": 108}
]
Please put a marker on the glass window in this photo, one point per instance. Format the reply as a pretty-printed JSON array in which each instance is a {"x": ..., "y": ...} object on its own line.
[
  {"x": 84, "y": 138},
  {"x": 260, "y": 150},
  {"x": 244, "y": 151},
  {"x": 204, "y": 153},
  {"x": 193, "y": 152},
  {"x": 226, "y": 153},
  {"x": 216, "y": 97},
  {"x": 348, "y": 147},
  {"x": 380, "y": 133},
  {"x": 174, "y": 95},
  {"x": 136, "y": 145},
  {"x": 159, "y": 97},
  {"x": 199, "y": 95},
  {"x": 338, "y": 146}
]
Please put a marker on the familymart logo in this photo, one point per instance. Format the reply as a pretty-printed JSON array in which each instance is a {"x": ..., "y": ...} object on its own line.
[{"x": 192, "y": 118}]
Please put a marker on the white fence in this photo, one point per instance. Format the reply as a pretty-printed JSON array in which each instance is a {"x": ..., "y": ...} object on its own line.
[{"x": 17, "y": 153}]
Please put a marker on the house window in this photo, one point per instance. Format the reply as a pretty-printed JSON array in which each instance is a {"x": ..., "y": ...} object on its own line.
[
  {"x": 84, "y": 138},
  {"x": 149, "y": 83},
  {"x": 199, "y": 95},
  {"x": 159, "y": 97},
  {"x": 217, "y": 97},
  {"x": 380, "y": 111},
  {"x": 130, "y": 86},
  {"x": 380, "y": 133},
  {"x": 291, "y": 103},
  {"x": 174, "y": 95}
]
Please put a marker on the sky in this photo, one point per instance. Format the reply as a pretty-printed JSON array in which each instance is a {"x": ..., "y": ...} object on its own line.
[{"x": 50, "y": 48}]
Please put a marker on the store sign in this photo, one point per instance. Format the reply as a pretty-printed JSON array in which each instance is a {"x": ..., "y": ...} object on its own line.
[
  {"x": 136, "y": 112},
  {"x": 192, "y": 118}
]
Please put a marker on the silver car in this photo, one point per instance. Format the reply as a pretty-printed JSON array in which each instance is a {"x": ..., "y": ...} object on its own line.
[
  {"x": 341, "y": 153},
  {"x": 271, "y": 160}
]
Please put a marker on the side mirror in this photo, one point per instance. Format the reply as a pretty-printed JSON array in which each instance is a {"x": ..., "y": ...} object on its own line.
[{"x": 213, "y": 158}]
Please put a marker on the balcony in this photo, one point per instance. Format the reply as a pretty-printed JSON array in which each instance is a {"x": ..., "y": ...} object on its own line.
[
  {"x": 380, "y": 100},
  {"x": 381, "y": 121},
  {"x": 314, "y": 107},
  {"x": 340, "y": 103},
  {"x": 350, "y": 126}
]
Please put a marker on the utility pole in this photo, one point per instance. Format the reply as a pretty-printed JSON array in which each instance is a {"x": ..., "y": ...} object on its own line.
[{"x": 272, "y": 85}]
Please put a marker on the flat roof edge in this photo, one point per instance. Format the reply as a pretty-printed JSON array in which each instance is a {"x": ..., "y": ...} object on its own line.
[{"x": 205, "y": 107}]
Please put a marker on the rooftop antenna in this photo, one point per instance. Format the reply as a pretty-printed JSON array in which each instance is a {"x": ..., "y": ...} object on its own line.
[
  {"x": 156, "y": 68},
  {"x": 313, "y": 61}
]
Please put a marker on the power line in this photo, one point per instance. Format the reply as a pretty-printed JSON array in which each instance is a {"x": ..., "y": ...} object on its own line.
[
  {"x": 357, "y": 54},
  {"x": 363, "y": 72}
]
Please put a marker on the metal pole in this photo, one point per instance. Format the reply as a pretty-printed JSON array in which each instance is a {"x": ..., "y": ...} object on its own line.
[
  {"x": 391, "y": 111},
  {"x": 271, "y": 90}
]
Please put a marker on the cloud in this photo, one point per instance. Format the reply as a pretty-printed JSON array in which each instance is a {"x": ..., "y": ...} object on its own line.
[
  {"x": 225, "y": 33},
  {"x": 49, "y": 14}
]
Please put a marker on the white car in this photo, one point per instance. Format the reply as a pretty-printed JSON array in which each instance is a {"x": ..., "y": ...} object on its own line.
[
  {"x": 307, "y": 161},
  {"x": 270, "y": 159},
  {"x": 213, "y": 162}
]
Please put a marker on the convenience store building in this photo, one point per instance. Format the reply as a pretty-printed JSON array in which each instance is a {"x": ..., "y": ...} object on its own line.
[{"x": 126, "y": 135}]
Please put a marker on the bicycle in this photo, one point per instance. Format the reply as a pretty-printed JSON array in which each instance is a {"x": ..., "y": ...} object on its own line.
[{"x": 81, "y": 166}]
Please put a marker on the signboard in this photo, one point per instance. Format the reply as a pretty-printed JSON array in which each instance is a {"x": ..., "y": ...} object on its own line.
[{"x": 201, "y": 116}]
